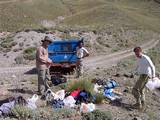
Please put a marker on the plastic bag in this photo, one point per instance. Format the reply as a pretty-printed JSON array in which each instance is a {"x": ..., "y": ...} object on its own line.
[
  {"x": 153, "y": 84},
  {"x": 59, "y": 95},
  {"x": 87, "y": 107},
  {"x": 69, "y": 102},
  {"x": 31, "y": 103},
  {"x": 49, "y": 95},
  {"x": 97, "y": 88},
  {"x": 157, "y": 82}
]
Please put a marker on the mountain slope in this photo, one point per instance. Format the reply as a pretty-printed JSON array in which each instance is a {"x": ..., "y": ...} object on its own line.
[
  {"x": 101, "y": 14},
  {"x": 119, "y": 14},
  {"x": 29, "y": 13}
]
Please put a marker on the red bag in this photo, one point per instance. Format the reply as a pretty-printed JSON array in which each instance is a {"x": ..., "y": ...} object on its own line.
[{"x": 75, "y": 93}]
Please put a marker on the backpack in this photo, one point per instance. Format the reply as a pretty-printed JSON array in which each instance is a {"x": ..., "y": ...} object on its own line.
[{"x": 84, "y": 97}]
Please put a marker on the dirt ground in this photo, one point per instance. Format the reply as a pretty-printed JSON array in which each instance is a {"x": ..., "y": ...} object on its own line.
[{"x": 16, "y": 80}]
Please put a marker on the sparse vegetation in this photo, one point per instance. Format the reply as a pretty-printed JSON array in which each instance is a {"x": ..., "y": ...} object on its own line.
[
  {"x": 21, "y": 112},
  {"x": 83, "y": 84},
  {"x": 31, "y": 56},
  {"x": 99, "y": 97},
  {"x": 19, "y": 60},
  {"x": 97, "y": 115},
  {"x": 29, "y": 50}
]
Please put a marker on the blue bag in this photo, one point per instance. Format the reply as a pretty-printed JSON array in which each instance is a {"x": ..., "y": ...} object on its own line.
[
  {"x": 108, "y": 92},
  {"x": 110, "y": 85}
]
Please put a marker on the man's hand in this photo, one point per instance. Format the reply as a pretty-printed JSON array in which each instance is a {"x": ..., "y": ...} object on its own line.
[{"x": 49, "y": 60}]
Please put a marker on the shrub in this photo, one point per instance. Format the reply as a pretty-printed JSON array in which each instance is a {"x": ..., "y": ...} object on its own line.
[
  {"x": 27, "y": 44},
  {"x": 7, "y": 42},
  {"x": 33, "y": 81},
  {"x": 5, "y": 45},
  {"x": 19, "y": 59},
  {"x": 98, "y": 98},
  {"x": 29, "y": 50},
  {"x": 101, "y": 40},
  {"x": 65, "y": 113},
  {"x": 16, "y": 50},
  {"x": 29, "y": 56},
  {"x": 1, "y": 82},
  {"x": 83, "y": 84},
  {"x": 6, "y": 50},
  {"x": 21, "y": 44},
  {"x": 88, "y": 44},
  {"x": 107, "y": 45},
  {"x": 35, "y": 43},
  {"x": 14, "y": 43},
  {"x": 21, "y": 112},
  {"x": 97, "y": 115},
  {"x": 95, "y": 31}
]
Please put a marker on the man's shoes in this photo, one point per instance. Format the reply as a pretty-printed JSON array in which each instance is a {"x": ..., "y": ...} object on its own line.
[{"x": 137, "y": 106}]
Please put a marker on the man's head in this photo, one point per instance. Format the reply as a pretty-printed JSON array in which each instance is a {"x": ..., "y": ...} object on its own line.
[
  {"x": 138, "y": 51},
  {"x": 46, "y": 41},
  {"x": 80, "y": 44}
]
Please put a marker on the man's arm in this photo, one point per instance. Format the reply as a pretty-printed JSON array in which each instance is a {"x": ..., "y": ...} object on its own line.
[
  {"x": 86, "y": 53},
  {"x": 40, "y": 56},
  {"x": 151, "y": 66}
]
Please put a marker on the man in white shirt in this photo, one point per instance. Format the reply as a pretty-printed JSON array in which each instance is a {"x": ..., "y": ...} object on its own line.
[
  {"x": 146, "y": 69},
  {"x": 81, "y": 52}
]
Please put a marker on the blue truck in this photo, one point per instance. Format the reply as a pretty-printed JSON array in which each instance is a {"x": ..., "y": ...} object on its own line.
[{"x": 62, "y": 54}]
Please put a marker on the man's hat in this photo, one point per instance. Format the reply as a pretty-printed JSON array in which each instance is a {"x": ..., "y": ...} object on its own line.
[{"x": 47, "y": 38}]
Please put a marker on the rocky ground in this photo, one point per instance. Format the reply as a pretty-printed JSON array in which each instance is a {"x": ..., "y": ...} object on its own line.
[{"x": 15, "y": 79}]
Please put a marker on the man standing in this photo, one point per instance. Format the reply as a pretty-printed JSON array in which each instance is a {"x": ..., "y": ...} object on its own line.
[
  {"x": 42, "y": 64},
  {"x": 81, "y": 52},
  {"x": 147, "y": 70}
]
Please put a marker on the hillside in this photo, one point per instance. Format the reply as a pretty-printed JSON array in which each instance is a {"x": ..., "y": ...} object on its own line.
[
  {"x": 107, "y": 14},
  {"x": 19, "y": 14},
  {"x": 93, "y": 14}
]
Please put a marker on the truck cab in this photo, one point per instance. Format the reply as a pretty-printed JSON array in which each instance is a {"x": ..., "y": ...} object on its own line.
[{"x": 63, "y": 56}]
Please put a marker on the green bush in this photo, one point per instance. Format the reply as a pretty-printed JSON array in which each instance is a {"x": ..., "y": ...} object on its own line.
[
  {"x": 29, "y": 50},
  {"x": 83, "y": 84},
  {"x": 21, "y": 112},
  {"x": 58, "y": 114},
  {"x": 98, "y": 98},
  {"x": 29, "y": 56},
  {"x": 88, "y": 44},
  {"x": 97, "y": 115},
  {"x": 5, "y": 44}
]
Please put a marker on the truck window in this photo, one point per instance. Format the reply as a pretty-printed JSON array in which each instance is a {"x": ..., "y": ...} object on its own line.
[{"x": 66, "y": 47}]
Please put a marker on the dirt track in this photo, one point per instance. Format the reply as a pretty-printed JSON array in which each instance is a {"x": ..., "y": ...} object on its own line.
[
  {"x": 91, "y": 62},
  {"x": 108, "y": 60}
]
